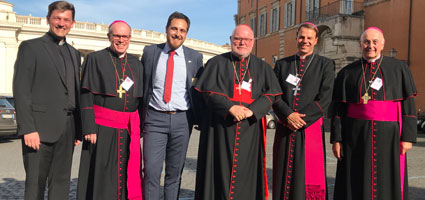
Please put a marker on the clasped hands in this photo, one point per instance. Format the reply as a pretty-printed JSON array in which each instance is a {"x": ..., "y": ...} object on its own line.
[
  {"x": 240, "y": 112},
  {"x": 295, "y": 121}
]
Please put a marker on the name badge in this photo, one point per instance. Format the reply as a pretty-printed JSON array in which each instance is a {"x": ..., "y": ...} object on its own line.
[
  {"x": 127, "y": 84},
  {"x": 377, "y": 84},
  {"x": 293, "y": 80},
  {"x": 246, "y": 85}
]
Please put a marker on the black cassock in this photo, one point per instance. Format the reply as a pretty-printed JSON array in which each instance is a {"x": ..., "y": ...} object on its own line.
[
  {"x": 103, "y": 166},
  {"x": 370, "y": 167},
  {"x": 313, "y": 99},
  {"x": 231, "y": 157}
]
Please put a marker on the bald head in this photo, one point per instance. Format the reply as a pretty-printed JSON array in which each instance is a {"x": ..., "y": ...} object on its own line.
[
  {"x": 243, "y": 28},
  {"x": 373, "y": 30},
  {"x": 119, "y": 35},
  {"x": 372, "y": 43},
  {"x": 242, "y": 41}
]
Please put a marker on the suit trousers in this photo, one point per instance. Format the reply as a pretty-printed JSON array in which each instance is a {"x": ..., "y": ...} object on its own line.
[
  {"x": 51, "y": 163},
  {"x": 165, "y": 138}
]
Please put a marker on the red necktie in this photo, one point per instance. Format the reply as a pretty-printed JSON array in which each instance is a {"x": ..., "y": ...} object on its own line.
[{"x": 169, "y": 77}]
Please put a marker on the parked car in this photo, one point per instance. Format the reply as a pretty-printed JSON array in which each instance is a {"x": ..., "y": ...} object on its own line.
[
  {"x": 7, "y": 118},
  {"x": 271, "y": 119}
]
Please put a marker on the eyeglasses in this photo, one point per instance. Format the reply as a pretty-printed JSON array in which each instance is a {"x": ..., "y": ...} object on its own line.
[
  {"x": 117, "y": 37},
  {"x": 238, "y": 39}
]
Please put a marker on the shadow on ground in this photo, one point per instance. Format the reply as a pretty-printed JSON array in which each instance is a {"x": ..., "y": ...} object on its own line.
[{"x": 9, "y": 138}]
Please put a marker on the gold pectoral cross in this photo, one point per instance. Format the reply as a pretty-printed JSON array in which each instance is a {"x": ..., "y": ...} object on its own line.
[
  {"x": 120, "y": 92},
  {"x": 365, "y": 98},
  {"x": 239, "y": 88}
]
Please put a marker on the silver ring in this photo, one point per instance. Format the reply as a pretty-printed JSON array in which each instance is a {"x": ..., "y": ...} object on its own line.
[{"x": 298, "y": 124}]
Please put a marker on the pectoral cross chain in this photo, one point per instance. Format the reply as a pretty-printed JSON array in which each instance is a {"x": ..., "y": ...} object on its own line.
[{"x": 120, "y": 92}]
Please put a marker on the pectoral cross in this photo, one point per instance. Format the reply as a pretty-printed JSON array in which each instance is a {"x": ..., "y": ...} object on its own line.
[
  {"x": 120, "y": 92},
  {"x": 239, "y": 88},
  {"x": 365, "y": 98},
  {"x": 296, "y": 90}
]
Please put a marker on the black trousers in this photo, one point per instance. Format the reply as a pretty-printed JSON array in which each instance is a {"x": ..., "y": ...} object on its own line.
[{"x": 51, "y": 163}]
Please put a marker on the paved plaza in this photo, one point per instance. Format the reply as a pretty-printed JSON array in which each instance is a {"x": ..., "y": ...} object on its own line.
[{"x": 12, "y": 172}]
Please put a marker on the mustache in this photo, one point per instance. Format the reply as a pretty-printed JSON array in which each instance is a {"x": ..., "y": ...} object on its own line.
[{"x": 175, "y": 37}]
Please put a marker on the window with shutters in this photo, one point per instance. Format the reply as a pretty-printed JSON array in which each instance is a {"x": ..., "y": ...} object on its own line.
[
  {"x": 312, "y": 9},
  {"x": 262, "y": 21},
  {"x": 252, "y": 24},
  {"x": 274, "y": 19},
  {"x": 242, "y": 20},
  {"x": 289, "y": 14}
]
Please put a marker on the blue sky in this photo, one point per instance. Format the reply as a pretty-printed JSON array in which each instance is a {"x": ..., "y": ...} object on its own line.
[{"x": 211, "y": 20}]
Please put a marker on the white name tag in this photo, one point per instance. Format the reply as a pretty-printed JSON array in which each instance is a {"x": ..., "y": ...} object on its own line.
[
  {"x": 293, "y": 80},
  {"x": 377, "y": 84},
  {"x": 246, "y": 85},
  {"x": 127, "y": 83}
]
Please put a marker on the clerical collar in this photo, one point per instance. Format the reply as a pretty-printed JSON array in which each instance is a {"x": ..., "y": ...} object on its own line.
[
  {"x": 372, "y": 60},
  {"x": 113, "y": 53},
  {"x": 56, "y": 39},
  {"x": 236, "y": 58},
  {"x": 304, "y": 57}
]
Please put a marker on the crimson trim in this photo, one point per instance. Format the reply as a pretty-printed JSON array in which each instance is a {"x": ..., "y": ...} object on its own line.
[
  {"x": 373, "y": 161},
  {"x": 277, "y": 94},
  {"x": 320, "y": 107},
  {"x": 383, "y": 84}
]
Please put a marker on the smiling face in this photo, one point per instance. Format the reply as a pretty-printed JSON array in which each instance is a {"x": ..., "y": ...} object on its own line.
[
  {"x": 306, "y": 40},
  {"x": 176, "y": 33},
  {"x": 372, "y": 43},
  {"x": 60, "y": 22},
  {"x": 242, "y": 41},
  {"x": 119, "y": 36}
]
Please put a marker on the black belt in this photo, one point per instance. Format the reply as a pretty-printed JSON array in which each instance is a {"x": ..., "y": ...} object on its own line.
[{"x": 166, "y": 112}]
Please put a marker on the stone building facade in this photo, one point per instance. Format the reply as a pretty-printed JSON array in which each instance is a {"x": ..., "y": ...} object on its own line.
[
  {"x": 85, "y": 36},
  {"x": 340, "y": 24}
]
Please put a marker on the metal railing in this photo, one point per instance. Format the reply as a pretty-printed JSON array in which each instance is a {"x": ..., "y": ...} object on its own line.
[{"x": 335, "y": 8}]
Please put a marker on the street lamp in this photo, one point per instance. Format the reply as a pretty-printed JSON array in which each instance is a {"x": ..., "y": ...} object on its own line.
[{"x": 393, "y": 52}]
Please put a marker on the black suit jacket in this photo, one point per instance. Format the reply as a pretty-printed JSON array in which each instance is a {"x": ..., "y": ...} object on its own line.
[
  {"x": 193, "y": 69},
  {"x": 40, "y": 91}
]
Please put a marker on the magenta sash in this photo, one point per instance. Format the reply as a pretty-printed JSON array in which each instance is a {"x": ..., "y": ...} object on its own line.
[
  {"x": 315, "y": 184},
  {"x": 381, "y": 111},
  {"x": 131, "y": 122}
]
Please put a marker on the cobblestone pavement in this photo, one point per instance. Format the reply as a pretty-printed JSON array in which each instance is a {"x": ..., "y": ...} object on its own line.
[{"x": 12, "y": 174}]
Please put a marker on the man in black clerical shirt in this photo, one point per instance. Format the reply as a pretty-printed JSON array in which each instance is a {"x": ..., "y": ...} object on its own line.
[
  {"x": 298, "y": 150},
  {"x": 46, "y": 91}
]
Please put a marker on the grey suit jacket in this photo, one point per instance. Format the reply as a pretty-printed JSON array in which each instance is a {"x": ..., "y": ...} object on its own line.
[
  {"x": 150, "y": 61},
  {"x": 40, "y": 91}
]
